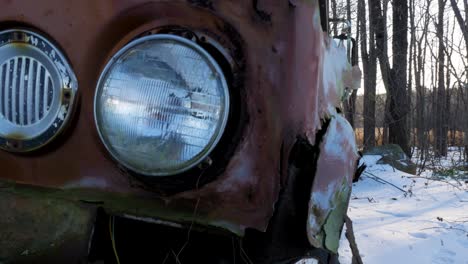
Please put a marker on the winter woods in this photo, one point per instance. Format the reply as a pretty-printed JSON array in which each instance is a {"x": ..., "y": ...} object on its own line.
[{"x": 414, "y": 59}]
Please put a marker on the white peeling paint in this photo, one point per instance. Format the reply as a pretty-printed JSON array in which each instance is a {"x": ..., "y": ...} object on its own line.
[
  {"x": 60, "y": 66},
  {"x": 316, "y": 20},
  {"x": 320, "y": 200},
  {"x": 340, "y": 149},
  {"x": 87, "y": 183},
  {"x": 153, "y": 221},
  {"x": 335, "y": 64},
  {"x": 241, "y": 174},
  {"x": 339, "y": 132},
  {"x": 62, "y": 113},
  {"x": 34, "y": 41}
]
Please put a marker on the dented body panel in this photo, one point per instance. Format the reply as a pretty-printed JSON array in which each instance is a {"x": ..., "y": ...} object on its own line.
[
  {"x": 331, "y": 188},
  {"x": 37, "y": 227},
  {"x": 338, "y": 151},
  {"x": 290, "y": 79}
]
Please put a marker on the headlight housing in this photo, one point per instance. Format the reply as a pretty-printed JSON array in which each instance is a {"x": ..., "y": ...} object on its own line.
[
  {"x": 37, "y": 90},
  {"x": 161, "y": 105}
]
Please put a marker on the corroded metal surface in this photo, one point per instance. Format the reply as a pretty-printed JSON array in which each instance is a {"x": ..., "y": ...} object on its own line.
[
  {"x": 286, "y": 90},
  {"x": 338, "y": 152},
  {"x": 38, "y": 229},
  {"x": 332, "y": 185}
]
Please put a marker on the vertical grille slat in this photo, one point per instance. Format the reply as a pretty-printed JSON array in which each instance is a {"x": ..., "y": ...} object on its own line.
[
  {"x": 37, "y": 90},
  {"x": 7, "y": 91},
  {"x": 14, "y": 92},
  {"x": 40, "y": 106},
  {"x": 2, "y": 84},
  {"x": 50, "y": 93},
  {"x": 33, "y": 92},
  {"x": 29, "y": 93},
  {"x": 26, "y": 91},
  {"x": 21, "y": 92},
  {"x": 46, "y": 92}
]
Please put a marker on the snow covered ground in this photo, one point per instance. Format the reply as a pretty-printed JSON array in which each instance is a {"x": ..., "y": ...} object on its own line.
[{"x": 418, "y": 220}]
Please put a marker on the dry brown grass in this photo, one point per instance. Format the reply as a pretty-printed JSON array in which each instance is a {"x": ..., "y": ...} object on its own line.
[
  {"x": 454, "y": 138},
  {"x": 360, "y": 136}
]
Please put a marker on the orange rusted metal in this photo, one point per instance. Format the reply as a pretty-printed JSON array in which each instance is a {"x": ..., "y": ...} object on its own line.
[{"x": 278, "y": 50}]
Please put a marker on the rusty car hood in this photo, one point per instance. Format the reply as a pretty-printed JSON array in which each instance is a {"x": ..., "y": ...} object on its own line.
[{"x": 284, "y": 89}]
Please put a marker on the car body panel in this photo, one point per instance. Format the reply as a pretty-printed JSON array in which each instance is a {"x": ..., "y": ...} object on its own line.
[
  {"x": 280, "y": 49},
  {"x": 338, "y": 151},
  {"x": 331, "y": 188},
  {"x": 39, "y": 228}
]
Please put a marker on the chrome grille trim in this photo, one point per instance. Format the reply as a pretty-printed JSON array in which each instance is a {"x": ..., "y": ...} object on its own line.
[
  {"x": 26, "y": 93},
  {"x": 37, "y": 90},
  {"x": 2, "y": 92}
]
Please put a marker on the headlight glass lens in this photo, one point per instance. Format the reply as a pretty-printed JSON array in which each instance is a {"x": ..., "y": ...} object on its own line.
[{"x": 161, "y": 105}]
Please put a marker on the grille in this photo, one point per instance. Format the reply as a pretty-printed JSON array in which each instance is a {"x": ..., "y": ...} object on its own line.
[
  {"x": 26, "y": 91},
  {"x": 37, "y": 90}
]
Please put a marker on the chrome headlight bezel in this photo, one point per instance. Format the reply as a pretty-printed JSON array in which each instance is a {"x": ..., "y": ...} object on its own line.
[
  {"x": 21, "y": 134},
  {"x": 198, "y": 159}
]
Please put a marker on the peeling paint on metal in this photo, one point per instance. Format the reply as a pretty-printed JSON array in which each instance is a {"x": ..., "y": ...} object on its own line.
[
  {"x": 316, "y": 20},
  {"x": 62, "y": 112},
  {"x": 334, "y": 222},
  {"x": 338, "y": 155},
  {"x": 285, "y": 92},
  {"x": 88, "y": 182},
  {"x": 332, "y": 184},
  {"x": 34, "y": 41},
  {"x": 35, "y": 228},
  {"x": 153, "y": 220},
  {"x": 335, "y": 66}
]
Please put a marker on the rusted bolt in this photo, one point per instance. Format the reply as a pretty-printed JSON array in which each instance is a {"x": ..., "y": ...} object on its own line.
[
  {"x": 19, "y": 36},
  {"x": 13, "y": 144},
  {"x": 207, "y": 162},
  {"x": 67, "y": 94},
  {"x": 292, "y": 3}
]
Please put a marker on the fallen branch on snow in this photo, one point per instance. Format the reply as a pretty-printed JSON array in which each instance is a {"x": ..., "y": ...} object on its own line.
[
  {"x": 459, "y": 187},
  {"x": 378, "y": 179},
  {"x": 352, "y": 241},
  {"x": 447, "y": 228}
]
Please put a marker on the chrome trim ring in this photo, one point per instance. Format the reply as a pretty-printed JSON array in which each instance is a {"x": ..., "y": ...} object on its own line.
[
  {"x": 37, "y": 90},
  {"x": 116, "y": 58}
]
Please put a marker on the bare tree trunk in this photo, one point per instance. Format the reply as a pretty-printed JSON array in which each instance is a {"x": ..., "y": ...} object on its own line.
[
  {"x": 369, "y": 63},
  {"x": 399, "y": 107},
  {"x": 387, "y": 118},
  {"x": 448, "y": 116},
  {"x": 394, "y": 78},
  {"x": 350, "y": 104},
  {"x": 441, "y": 107},
  {"x": 410, "y": 73},
  {"x": 463, "y": 24},
  {"x": 459, "y": 114},
  {"x": 352, "y": 241},
  {"x": 334, "y": 14},
  {"x": 448, "y": 108},
  {"x": 419, "y": 64},
  {"x": 433, "y": 121}
]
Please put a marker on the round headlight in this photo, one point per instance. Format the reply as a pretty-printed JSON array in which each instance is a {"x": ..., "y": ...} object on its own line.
[
  {"x": 37, "y": 90},
  {"x": 161, "y": 105}
]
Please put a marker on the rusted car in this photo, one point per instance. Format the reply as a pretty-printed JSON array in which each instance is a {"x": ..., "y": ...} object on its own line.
[{"x": 172, "y": 132}]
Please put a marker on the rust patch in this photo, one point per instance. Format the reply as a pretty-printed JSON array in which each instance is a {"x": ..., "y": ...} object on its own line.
[
  {"x": 280, "y": 89},
  {"x": 42, "y": 229},
  {"x": 202, "y": 3},
  {"x": 264, "y": 16},
  {"x": 332, "y": 185}
]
